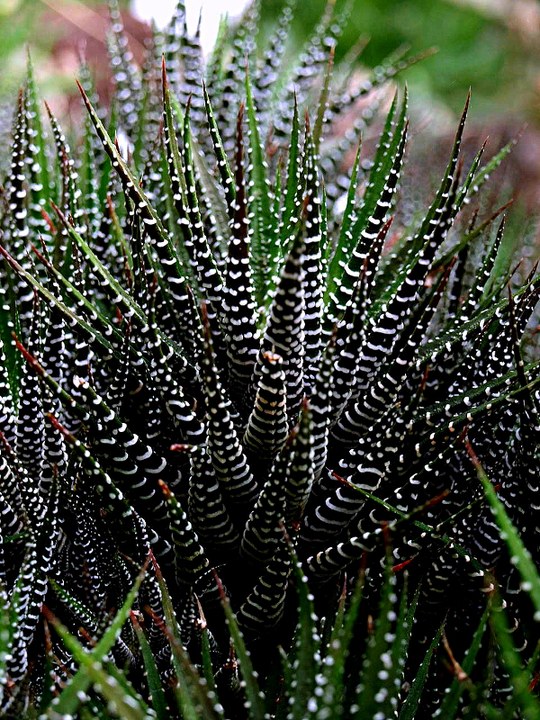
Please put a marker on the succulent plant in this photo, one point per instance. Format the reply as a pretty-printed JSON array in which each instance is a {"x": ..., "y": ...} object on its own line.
[{"x": 230, "y": 372}]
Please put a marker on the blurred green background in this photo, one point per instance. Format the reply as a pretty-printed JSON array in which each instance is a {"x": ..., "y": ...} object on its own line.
[
  {"x": 492, "y": 46},
  {"x": 489, "y": 46}
]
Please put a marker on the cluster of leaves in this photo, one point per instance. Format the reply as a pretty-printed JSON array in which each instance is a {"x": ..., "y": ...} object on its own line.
[{"x": 226, "y": 376}]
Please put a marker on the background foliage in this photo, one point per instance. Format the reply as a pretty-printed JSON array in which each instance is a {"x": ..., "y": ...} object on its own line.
[{"x": 490, "y": 46}]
